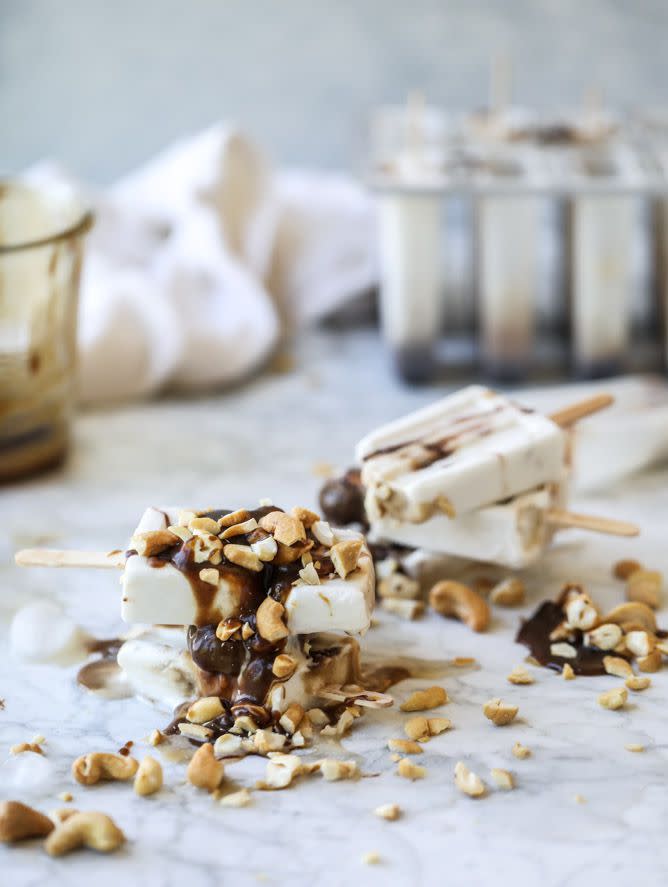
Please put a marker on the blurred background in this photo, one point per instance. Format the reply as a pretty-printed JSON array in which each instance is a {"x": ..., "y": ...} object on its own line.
[
  {"x": 103, "y": 86},
  {"x": 471, "y": 190}
]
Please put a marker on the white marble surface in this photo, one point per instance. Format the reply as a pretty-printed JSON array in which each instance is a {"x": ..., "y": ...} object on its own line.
[{"x": 263, "y": 441}]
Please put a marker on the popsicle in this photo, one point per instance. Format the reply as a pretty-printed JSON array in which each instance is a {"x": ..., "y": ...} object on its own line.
[{"x": 468, "y": 450}]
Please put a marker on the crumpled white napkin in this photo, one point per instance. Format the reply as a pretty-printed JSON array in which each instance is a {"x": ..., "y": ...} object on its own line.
[{"x": 199, "y": 259}]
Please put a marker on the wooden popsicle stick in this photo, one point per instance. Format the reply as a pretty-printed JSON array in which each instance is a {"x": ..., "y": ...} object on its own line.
[
  {"x": 363, "y": 698},
  {"x": 570, "y": 415},
  {"x": 49, "y": 557},
  {"x": 557, "y": 517}
]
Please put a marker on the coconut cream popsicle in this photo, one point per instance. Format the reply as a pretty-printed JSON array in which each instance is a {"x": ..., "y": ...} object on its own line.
[{"x": 466, "y": 451}]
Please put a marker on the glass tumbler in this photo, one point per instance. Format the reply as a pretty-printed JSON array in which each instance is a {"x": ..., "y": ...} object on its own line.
[{"x": 41, "y": 249}]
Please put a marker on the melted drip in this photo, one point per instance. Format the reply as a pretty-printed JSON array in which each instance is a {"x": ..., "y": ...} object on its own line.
[{"x": 535, "y": 633}]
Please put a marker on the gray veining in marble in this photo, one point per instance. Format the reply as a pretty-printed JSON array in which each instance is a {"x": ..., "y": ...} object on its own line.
[{"x": 263, "y": 440}]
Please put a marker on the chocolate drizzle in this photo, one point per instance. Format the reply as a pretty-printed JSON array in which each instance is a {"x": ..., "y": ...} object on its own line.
[{"x": 535, "y": 633}]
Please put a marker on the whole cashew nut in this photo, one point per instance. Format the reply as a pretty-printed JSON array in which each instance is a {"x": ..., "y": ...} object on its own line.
[
  {"x": 18, "y": 822},
  {"x": 94, "y": 830},
  {"x": 96, "y": 766},
  {"x": 450, "y": 598},
  {"x": 633, "y": 613}
]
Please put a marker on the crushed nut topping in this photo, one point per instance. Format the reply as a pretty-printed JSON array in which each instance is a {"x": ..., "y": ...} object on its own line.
[
  {"x": 288, "y": 529},
  {"x": 284, "y": 666},
  {"x": 234, "y": 518},
  {"x": 210, "y": 575},
  {"x": 243, "y": 556},
  {"x": 615, "y": 665},
  {"x": 345, "y": 556},
  {"x": 270, "y": 623},
  {"x": 241, "y": 529},
  {"x": 153, "y": 542},
  {"x": 205, "y": 709}
]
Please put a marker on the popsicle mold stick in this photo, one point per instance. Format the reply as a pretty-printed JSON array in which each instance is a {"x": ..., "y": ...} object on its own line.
[
  {"x": 49, "y": 557},
  {"x": 557, "y": 517},
  {"x": 570, "y": 415}
]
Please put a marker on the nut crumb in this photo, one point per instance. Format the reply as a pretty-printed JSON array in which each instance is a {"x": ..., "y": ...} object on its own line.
[
  {"x": 580, "y": 799},
  {"x": 391, "y": 812},
  {"x": 508, "y": 593},
  {"x": 613, "y": 699},
  {"x": 242, "y": 798},
  {"x": 521, "y": 752},
  {"x": 371, "y": 858},
  {"x": 156, "y": 738},
  {"x": 464, "y": 661},
  {"x": 468, "y": 782},
  {"x": 499, "y": 712},
  {"x": 567, "y": 672},
  {"x": 66, "y": 797},
  {"x": 409, "y": 770},
  {"x": 519, "y": 675},
  {"x": 423, "y": 700},
  {"x": 204, "y": 771},
  {"x": 405, "y": 746},
  {"x": 503, "y": 778},
  {"x": 635, "y": 747}
]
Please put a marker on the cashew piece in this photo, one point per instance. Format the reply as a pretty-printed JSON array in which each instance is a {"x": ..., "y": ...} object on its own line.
[
  {"x": 204, "y": 771},
  {"x": 18, "y": 822},
  {"x": 270, "y": 623},
  {"x": 93, "y": 830},
  {"x": 450, "y": 598},
  {"x": 633, "y": 613},
  {"x": 96, "y": 766},
  {"x": 149, "y": 777}
]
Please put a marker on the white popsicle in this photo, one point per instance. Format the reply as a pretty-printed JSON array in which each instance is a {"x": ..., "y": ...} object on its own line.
[
  {"x": 513, "y": 534},
  {"x": 466, "y": 451},
  {"x": 156, "y": 593}
]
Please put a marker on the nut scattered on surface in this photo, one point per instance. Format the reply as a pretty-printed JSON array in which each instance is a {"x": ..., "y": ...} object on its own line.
[
  {"x": 281, "y": 771},
  {"x": 438, "y": 725},
  {"x": 390, "y": 812},
  {"x": 456, "y": 600},
  {"x": 423, "y": 700},
  {"x": 417, "y": 728},
  {"x": 156, "y": 738},
  {"x": 22, "y": 747},
  {"x": 209, "y": 575},
  {"x": 503, "y": 778},
  {"x": 637, "y": 682},
  {"x": 634, "y": 746},
  {"x": 409, "y": 770},
  {"x": 270, "y": 623},
  {"x": 345, "y": 556},
  {"x": 633, "y": 613},
  {"x": 64, "y": 813},
  {"x": 66, "y": 797},
  {"x": 508, "y": 593},
  {"x": 613, "y": 699},
  {"x": 567, "y": 672},
  {"x": 405, "y": 746},
  {"x": 371, "y": 858},
  {"x": 617, "y": 666},
  {"x": 605, "y": 637},
  {"x": 519, "y": 675},
  {"x": 521, "y": 751},
  {"x": 241, "y": 798},
  {"x": 398, "y": 585},
  {"x": 580, "y": 611},
  {"x": 468, "y": 782},
  {"x": 625, "y": 568},
  {"x": 97, "y": 831},
  {"x": 148, "y": 779},
  {"x": 333, "y": 770},
  {"x": 650, "y": 663},
  {"x": 97, "y": 766},
  {"x": 240, "y": 529},
  {"x": 405, "y": 609},
  {"x": 204, "y": 771},
  {"x": 563, "y": 649},
  {"x": 645, "y": 587},
  {"x": 19, "y": 822},
  {"x": 640, "y": 643},
  {"x": 205, "y": 709},
  {"x": 500, "y": 713}
]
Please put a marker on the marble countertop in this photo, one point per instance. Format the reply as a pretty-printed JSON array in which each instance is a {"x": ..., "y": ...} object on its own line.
[{"x": 584, "y": 810}]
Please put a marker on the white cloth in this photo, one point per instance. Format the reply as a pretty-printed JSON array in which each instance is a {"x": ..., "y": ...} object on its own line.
[{"x": 200, "y": 258}]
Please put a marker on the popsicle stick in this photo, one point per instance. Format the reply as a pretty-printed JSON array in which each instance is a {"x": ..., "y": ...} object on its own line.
[
  {"x": 560, "y": 518},
  {"x": 363, "y": 698},
  {"x": 49, "y": 557},
  {"x": 570, "y": 415}
]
